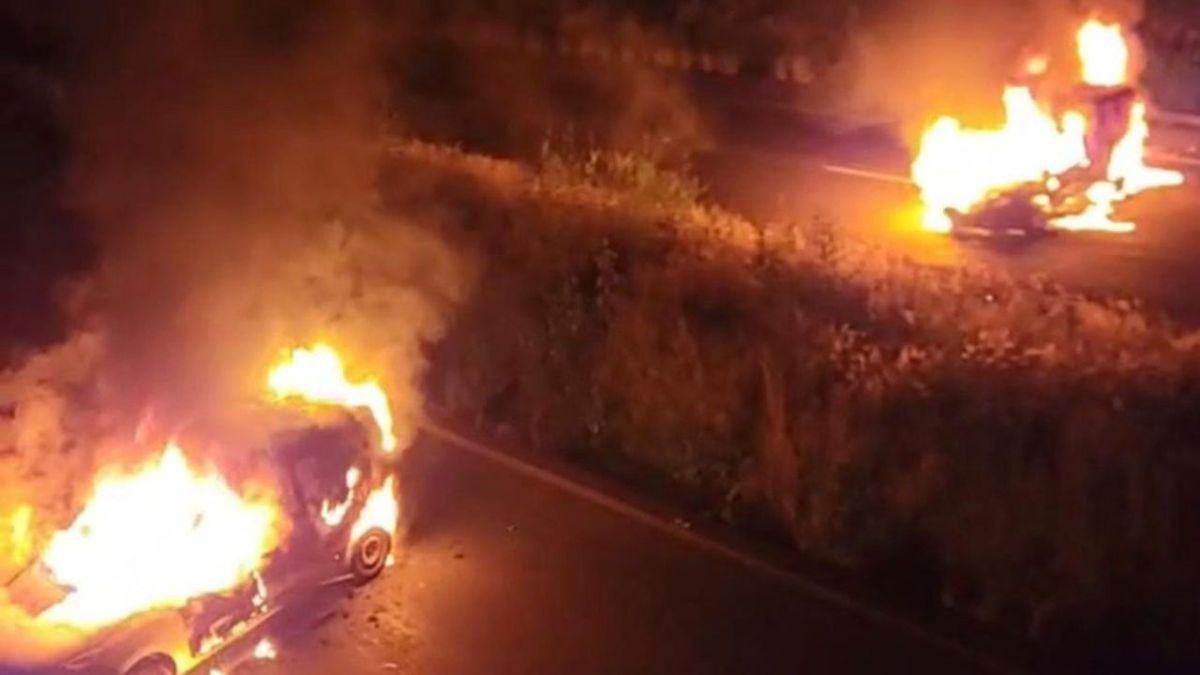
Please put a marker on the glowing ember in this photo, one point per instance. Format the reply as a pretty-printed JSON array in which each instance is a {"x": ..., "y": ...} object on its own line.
[
  {"x": 333, "y": 513},
  {"x": 381, "y": 510},
  {"x": 316, "y": 375},
  {"x": 155, "y": 538},
  {"x": 265, "y": 650},
  {"x": 959, "y": 169}
]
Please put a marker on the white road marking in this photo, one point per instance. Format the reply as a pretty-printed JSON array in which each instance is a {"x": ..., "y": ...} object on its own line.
[{"x": 866, "y": 173}]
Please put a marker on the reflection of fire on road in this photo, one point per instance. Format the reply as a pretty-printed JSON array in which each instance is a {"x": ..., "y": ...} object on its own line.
[
  {"x": 1061, "y": 162},
  {"x": 175, "y": 530}
]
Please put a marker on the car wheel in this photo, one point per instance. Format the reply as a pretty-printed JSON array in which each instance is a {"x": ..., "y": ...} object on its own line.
[
  {"x": 157, "y": 664},
  {"x": 369, "y": 554}
]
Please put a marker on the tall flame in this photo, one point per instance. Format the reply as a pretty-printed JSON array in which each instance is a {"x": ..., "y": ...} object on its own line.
[
  {"x": 381, "y": 510},
  {"x": 156, "y": 538},
  {"x": 1127, "y": 163},
  {"x": 1104, "y": 54},
  {"x": 168, "y": 531},
  {"x": 316, "y": 375},
  {"x": 957, "y": 169}
]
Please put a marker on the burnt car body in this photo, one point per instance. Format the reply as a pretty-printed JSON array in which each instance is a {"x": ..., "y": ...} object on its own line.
[
  {"x": 1012, "y": 213},
  {"x": 301, "y": 581},
  {"x": 1028, "y": 210}
]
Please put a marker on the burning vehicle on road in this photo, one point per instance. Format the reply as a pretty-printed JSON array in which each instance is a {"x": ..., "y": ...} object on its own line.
[
  {"x": 1062, "y": 161},
  {"x": 170, "y": 569},
  {"x": 1011, "y": 212}
]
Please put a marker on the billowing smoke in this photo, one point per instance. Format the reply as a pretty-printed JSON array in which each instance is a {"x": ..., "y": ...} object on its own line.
[
  {"x": 225, "y": 155},
  {"x": 913, "y": 60}
]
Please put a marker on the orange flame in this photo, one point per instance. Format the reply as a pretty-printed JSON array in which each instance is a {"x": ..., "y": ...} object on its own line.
[
  {"x": 381, "y": 510},
  {"x": 1127, "y": 163},
  {"x": 155, "y": 538},
  {"x": 332, "y": 513},
  {"x": 1104, "y": 54},
  {"x": 20, "y": 534},
  {"x": 265, "y": 649},
  {"x": 168, "y": 531},
  {"x": 958, "y": 168},
  {"x": 316, "y": 375}
]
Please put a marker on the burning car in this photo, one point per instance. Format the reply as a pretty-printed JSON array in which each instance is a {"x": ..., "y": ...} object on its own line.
[
  {"x": 1063, "y": 160},
  {"x": 339, "y": 538},
  {"x": 173, "y": 568}
]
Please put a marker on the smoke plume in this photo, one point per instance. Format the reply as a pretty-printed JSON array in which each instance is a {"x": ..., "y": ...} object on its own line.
[
  {"x": 914, "y": 60},
  {"x": 225, "y": 155}
]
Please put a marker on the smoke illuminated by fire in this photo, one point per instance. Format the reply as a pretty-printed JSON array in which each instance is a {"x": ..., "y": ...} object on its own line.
[
  {"x": 958, "y": 169},
  {"x": 156, "y": 538},
  {"x": 316, "y": 375}
]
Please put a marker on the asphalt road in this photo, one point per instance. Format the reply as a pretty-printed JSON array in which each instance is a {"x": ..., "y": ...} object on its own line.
[{"x": 509, "y": 574}]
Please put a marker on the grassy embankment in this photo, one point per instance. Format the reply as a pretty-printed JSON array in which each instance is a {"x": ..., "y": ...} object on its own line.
[{"x": 1002, "y": 447}]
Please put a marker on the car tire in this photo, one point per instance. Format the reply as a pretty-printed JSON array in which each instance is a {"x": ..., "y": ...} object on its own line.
[
  {"x": 156, "y": 664},
  {"x": 368, "y": 555}
]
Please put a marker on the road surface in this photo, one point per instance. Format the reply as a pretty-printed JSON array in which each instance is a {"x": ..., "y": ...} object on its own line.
[{"x": 509, "y": 574}]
